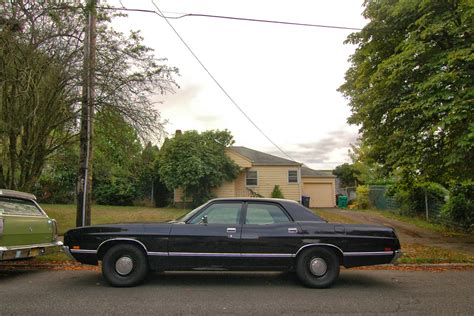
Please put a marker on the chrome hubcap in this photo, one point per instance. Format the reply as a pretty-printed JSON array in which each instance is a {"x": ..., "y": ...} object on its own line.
[
  {"x": 318, "y": 266},
  {"x": 124, "y": 265}
]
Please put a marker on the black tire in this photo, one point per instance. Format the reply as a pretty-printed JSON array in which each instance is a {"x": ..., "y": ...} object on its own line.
[
  {"x": 133, "y": 270},
  {"x": 325, "y": 269}
]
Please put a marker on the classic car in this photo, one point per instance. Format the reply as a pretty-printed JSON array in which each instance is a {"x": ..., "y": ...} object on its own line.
[
  {"x": 234, "y": 234},
  {"x": 25, "y": 229}
]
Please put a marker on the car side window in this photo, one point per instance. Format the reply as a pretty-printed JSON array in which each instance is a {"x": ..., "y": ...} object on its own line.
[
  {"x": 265, "y": 214},
  {"x": 219, "y": 213},
  {"x": 12, "y": 206}
]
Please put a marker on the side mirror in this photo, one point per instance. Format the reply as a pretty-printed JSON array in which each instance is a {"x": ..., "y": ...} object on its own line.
[{"x": 204, "y": 220}]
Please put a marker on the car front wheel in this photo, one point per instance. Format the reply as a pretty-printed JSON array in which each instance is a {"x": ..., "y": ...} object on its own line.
[
  {"x": 124, "y": 265},
  {"x": 317, "y": 267}
]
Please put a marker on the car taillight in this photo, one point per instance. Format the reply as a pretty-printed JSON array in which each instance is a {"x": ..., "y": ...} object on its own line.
[{"x": 55, "y": 229}]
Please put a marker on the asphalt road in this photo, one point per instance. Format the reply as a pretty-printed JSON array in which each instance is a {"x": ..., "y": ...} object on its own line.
[{"x": 356, "y": 292}]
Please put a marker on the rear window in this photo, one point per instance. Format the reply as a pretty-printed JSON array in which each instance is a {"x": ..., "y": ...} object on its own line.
[{"x": 12, "y": 206}]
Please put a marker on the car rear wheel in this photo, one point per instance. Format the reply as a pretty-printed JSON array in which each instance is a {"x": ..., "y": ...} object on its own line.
[
  {"x": 317, "y": 267},
  {"x": 124, "y": 265}
]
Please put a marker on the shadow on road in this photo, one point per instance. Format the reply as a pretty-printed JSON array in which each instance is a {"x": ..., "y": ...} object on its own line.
[
  {"x": 12, "y": 274},
  {"x": 351, "y": 280}
]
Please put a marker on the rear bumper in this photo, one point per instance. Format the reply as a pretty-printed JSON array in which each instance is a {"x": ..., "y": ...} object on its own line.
[
  {"x": 398, "y": 254},
  {"x": 28, "y": 251}
]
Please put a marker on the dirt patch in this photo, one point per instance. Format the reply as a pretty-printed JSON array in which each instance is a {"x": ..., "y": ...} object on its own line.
[{"x": 411, "y": 234}]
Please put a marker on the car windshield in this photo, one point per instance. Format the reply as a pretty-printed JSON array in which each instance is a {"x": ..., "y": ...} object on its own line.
[{"x": 187, "y": 216}]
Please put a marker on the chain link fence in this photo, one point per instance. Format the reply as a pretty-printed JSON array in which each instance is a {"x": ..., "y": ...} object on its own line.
[{"x": 380, "y": 200}]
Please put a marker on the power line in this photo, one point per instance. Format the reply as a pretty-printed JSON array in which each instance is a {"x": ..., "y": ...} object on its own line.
[
  {"x": 219, "y": 85},
  {"x": 183, "y": 15}
]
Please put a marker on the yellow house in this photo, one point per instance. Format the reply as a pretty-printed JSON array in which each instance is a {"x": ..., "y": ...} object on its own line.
[{"x": 260, "y": 172}]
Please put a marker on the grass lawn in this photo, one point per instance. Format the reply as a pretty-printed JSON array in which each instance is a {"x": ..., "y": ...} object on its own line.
[
  {"x": 65, "y": 214},
  {"x": 416, "y": 253},
  {"x": 420, "y": 222}
]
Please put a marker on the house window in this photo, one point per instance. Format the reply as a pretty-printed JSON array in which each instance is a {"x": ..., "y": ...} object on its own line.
[
  {"x": 251, "y": 178},
  {"x": 292, "y": 176}
]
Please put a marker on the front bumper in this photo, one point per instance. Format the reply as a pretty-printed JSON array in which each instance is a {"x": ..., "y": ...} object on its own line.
[
  {"x": 68, "y": 252},
  {"x": 398, "y": 254},
  {"x": 28, "y": 251}
]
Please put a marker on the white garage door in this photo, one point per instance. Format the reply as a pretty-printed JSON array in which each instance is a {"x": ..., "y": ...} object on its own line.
[{"x": 321, "y": 194}]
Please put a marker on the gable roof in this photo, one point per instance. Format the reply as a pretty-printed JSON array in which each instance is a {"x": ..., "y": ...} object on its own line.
[
  {"x": 308, "y": 173},
  {"x": 259, "y": 158}
]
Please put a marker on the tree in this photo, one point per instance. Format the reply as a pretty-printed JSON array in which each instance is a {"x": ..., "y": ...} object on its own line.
[
  {"x": 347, "y": 173},
  {"x": 40, "y": 80},
  {"x": 410, "y": 87},
  {"x": 197, "y": 163},
  {"x": 35, "y": 120},
  {"x": 276, "y": 193},
  {"x": 151, "y": 185},
  {"x": 117, "y": 162}
]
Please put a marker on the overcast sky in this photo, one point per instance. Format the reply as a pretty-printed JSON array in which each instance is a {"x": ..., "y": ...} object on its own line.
[{"x": 284, "y": 77}]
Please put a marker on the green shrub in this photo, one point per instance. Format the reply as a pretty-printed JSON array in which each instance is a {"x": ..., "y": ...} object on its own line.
[
  {"x": 118, "y": 191},
  {"x": 55, "y": 188},
  {"x": 411, "y": 197},
  {"x": 362, "y": 200},
  {"x": 460, "y": 205},
  {"x": 276, "y": 193}
]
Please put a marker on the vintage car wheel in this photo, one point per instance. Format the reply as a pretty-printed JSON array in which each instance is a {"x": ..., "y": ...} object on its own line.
[
  {"x": 317, "y": 267},
  {"x": 124, "y": 265}
]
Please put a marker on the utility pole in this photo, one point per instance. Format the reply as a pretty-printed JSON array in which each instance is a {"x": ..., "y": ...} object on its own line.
[{"x": 84, "y": 183}]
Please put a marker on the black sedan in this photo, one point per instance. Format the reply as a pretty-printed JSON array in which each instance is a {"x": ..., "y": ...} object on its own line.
[{"x": 234, "y": 234}]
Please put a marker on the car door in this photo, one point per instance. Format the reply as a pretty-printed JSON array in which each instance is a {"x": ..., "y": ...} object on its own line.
[
  {"x": 210, "y": 239},
  {"x": 269, "y": 235}
]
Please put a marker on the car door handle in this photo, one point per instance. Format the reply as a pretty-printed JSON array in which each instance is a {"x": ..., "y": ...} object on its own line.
[
  {"x": 231, "y": 230},
  {"x": 292, "y": 230}
]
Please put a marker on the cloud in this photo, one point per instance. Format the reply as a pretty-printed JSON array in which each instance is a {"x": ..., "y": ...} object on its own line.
[
  {"x": 208, "y": 120},
  {"x": 328, "y": 151},
  {"x": 180, "y": 100}
]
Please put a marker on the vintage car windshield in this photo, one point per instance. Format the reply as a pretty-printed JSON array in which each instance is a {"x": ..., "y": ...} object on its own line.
[{"x": 12, "y": 206}]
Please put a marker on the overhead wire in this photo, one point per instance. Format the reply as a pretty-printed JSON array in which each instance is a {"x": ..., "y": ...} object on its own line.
[
  {"x": 183, "y": 15},
  {"x": 167, "y": 18},
  {"x": 221, "y": 87}
]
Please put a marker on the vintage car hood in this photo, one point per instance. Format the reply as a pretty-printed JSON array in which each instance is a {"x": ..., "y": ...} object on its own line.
[{"x": 125, "y": 228}]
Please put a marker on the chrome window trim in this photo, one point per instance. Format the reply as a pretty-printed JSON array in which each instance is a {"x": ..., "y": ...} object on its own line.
[{"x": 122, "y": 239}]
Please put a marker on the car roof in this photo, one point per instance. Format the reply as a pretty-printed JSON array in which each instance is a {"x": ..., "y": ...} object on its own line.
[
  {"x": 297, "y": 211},
  {"x": 17, "y": 194},
  {"x": 253, "y": 199}
]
